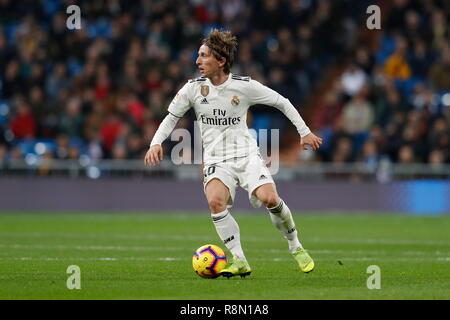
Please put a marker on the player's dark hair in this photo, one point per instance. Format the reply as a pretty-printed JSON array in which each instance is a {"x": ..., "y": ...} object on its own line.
[{"x": 222, "y": 45}]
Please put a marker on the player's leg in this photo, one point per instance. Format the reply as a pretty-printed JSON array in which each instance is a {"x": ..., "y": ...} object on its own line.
[
  {"x": 258, "y": 181},
  {"x": 220, "y": 187},
  {"x": 281, "y": 216},
  {"x": 218, "y": 195}
]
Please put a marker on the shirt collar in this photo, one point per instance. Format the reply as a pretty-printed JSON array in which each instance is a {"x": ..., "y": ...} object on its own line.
[{"x": 223, "y": 85}]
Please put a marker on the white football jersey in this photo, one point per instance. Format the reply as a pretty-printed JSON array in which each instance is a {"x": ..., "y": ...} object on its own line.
[{"x": 221, "y": 112}]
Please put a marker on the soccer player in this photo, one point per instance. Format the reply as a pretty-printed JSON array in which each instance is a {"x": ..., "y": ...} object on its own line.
[{"x": 231, "y": 156}]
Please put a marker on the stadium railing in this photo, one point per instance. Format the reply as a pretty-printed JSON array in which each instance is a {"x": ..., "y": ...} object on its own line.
[{"x": 315, "y": 171}]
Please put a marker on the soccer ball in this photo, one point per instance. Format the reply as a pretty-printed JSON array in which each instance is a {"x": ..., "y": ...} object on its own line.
[{"x": 208, "y": 261}]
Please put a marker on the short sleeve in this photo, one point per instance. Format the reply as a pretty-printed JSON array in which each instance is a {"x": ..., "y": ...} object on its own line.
[{"x": 181, "y": 102}]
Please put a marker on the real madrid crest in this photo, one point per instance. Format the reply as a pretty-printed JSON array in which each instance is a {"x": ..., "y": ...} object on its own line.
[
  {"x": 235, "y": 101},
  {"x": 204, "y": 90}
]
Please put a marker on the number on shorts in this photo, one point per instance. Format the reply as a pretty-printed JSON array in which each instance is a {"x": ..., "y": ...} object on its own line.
[{"x": 210, "y": 170}]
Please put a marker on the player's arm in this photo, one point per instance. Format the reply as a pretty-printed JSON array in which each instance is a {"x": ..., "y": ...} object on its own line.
[
  {"x": 155, "y": 152},
  {"x": 177, "y": 109},
  {"x": 261, "y": 94},
  {"x": 307, "y": 138}
]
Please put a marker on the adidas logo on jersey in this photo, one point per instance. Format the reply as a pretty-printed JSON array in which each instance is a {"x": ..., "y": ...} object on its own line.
[
  {"x": 262, "y": 177},
  {"x": 204, "y": 101}
]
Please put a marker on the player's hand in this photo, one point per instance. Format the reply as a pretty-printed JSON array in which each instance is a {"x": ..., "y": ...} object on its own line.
[
  {"x": 154, "y": 155},
  {"x": 311, "y": 140}
]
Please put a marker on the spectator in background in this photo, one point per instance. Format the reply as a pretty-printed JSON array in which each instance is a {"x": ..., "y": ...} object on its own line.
[
  {"x": 411, "y": 138},
  {"x": 120, "y": 151},
  {"x": 153, "y": 81},
  {"x": 135, "y": 109},
  {"x": 74, "y": 152},
  {"x": 369, "y": 154},
  {"x": 71, "y": 121},
  {"x": 422, "y": 97},
  {"x": 393, "y": 132},
  {"x": 157, "y": 105},
  {"x": 439, "y": 24},
  {"x": 439, "y": 128},
  {"x": 110, "y": 130},
  {"x": 439, "y": 136},
  {"x": 15, "y": 154},
  {"x": 353, "y": 79},
  {"x": 3, "y": 154},
  {"x": 103, "y": 85},
  {"x": 397, "y": 14},
  {"x": 36, "y": 78},
  {"x": 62, "y": 146},
  {"x": 388, "y": 103},
  {"x": 23, "y": 125},
  {"x": 44, "y": 167},
  {"x": 364, "y": 60},
  {"x": 413, "y": 27},
  {"x": 5, "y": 51},
  {"x": 443, "y": 143},
  {"x": 343, "y": 151},
  {"x": 329, "y": 111},
  {"x": 406, "y": 155},
  {"x": 420, "y": 59},
  {"x": 357, "y": 115},
  {"x": 379, "y": 138},
  {"x": 440, "y": 72},
  {"x": 135, "y": 146},
  {"x": 436, "y": 158},
  {"x": 94, "y": 147},
  {"x": 37, "y": 101},
  {"x": 12, "y": 80},
  {"x": 396, "y": 66},
  {"x": 93, "y": 121},
  {"x": 131, "y": 79}
]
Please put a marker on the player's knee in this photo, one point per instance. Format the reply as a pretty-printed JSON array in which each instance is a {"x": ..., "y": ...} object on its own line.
[
  {"x": 270, "y": 199},
  {"x": 217, "y": 204}
]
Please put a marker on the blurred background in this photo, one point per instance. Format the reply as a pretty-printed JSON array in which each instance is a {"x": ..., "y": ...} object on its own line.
[{"x": 78, "y": 108}]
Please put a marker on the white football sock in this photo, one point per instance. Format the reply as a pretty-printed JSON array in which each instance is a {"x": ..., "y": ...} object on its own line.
[
  {"x": 228, "y": 231},
  {"x": 281, "y": 217}
]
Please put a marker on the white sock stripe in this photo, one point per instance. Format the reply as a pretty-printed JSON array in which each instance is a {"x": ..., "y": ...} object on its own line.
[{"x": 219, "y": 216}]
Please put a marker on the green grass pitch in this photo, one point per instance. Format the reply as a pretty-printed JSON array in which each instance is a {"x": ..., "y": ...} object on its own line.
[{"x": 148, "y": 256}]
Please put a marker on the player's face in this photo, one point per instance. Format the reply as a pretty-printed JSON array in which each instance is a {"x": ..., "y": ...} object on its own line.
[{"x": 207, "y": 63}]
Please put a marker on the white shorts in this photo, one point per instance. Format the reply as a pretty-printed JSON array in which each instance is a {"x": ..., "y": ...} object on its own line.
[{"x": 249, "y": 172}]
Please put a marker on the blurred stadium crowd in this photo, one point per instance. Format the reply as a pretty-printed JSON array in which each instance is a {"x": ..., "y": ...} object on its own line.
[
  {"x": 392, "y": 101},
  {"x": 102, "y": 91}
]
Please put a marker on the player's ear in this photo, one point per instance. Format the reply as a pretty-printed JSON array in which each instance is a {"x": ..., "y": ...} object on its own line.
[{"x": 222, "y": 62}]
